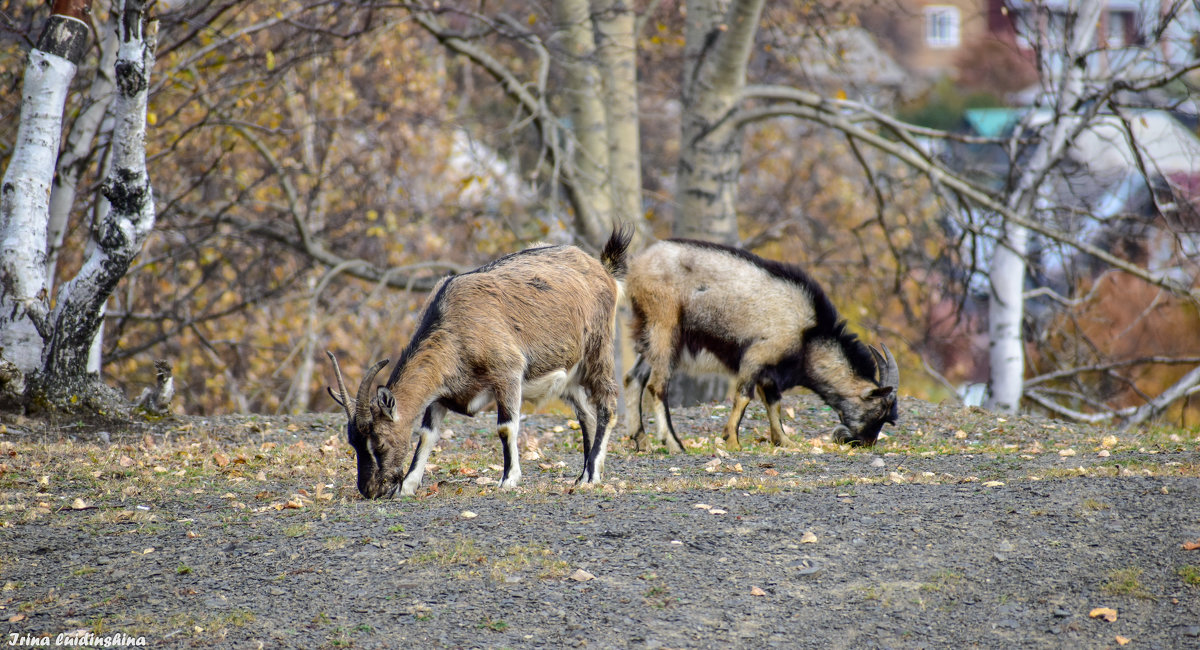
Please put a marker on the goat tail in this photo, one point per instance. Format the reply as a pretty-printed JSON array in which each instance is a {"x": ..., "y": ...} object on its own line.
[{"x": 615, "y": 257}]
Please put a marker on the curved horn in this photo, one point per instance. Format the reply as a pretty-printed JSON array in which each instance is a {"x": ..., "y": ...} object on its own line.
[
  {"x": 891, "y": 375},
  {"x": 341, "y": 397},
  {"x": 880, "y": 363},
  {"x": 362, "y": 406}
]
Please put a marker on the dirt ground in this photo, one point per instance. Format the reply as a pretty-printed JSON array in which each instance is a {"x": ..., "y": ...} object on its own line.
[{"x": 960, "y": 529}]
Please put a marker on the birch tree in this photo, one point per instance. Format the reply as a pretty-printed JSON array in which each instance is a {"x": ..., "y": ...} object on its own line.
[{"x": 67, "y": 325}]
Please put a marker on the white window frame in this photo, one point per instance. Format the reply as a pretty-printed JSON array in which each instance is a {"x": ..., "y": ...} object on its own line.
[{"x": 942, "y": 26}]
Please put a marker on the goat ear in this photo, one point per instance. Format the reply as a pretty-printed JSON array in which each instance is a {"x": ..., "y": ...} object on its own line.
[
  {"x": 386, "y": 403},
  {"x": 879, "y": 393}
]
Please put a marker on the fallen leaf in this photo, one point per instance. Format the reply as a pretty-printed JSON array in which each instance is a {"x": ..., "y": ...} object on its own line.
[
  {"x": 716, "y": 511},
  {"x": 1123, "y": 640},
  {"x": 220, "y": 459},
  {"x": 755, "y": 591},
  {"x": 1191, "y": 546},
  {"x": 960, "y": 435},
  {"x": 467, "y": 514},
  {"x": 125, "y": 461},
  {"x": 771, "y": 472},
  {"x": 1105, "y": 613},
  {"x": 581, "y": 576},
  {"x": 1065, "y": 453},
  {"x": 703, "y": 506},
  {"x": 993, "y": 484},
  {"x": 293, "y": 505},
  {"x": 1108, "y": 443},
  {"x": 737, "y": 467},
  {"x": 808, "y": 538},
  {"x": 16, "y": 618},
  {"x": 78, "y": 504}
]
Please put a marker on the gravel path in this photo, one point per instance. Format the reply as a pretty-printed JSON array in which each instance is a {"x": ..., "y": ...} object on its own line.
[{"x": 960, "y": 530}]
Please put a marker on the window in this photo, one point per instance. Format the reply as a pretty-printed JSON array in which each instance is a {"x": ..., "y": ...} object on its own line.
[
  {"x": 1115, "y": 36},
  {"x": 941, "y": 26}
]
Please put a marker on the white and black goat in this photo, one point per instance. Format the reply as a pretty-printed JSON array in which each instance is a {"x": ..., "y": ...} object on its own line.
[
  {"x": 712, "y": 308},
  {"x": 530, "y": 326}
]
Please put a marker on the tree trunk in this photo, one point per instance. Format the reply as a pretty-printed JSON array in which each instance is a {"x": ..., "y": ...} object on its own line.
[
  {"x": 1007, "y": 271},
  {"x": 617, "y": 48},
  {"x": 24, "y": 197},
  {"x": 589, "y": 123},
  {"x": 126, "y": 217},
  {"x": 710, "y": 148}
]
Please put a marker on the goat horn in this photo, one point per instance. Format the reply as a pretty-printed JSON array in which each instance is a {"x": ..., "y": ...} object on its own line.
[
  {"x": 891, "y": 375},
  {"x": 362, "y": 407},
  {"x": 341, "y": 397}
]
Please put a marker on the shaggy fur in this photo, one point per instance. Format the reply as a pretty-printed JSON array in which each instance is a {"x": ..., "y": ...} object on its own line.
[{"x": 708, "y": 307}]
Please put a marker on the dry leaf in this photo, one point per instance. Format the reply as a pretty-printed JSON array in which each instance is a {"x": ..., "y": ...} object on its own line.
[
  {"x": 703, "y": 506},
  {"x": 1108, "y": 443},
  {"x": 17, "y": 618},
  {"x": 808, "y": 538},
  {"x": 581, "y": 576},
  {"x": 755, "y": 591},
  {"x": 78, "y": 504},
  {"x": 1105, "y": 613},
  {"x": 993, "y": 484},
  {"x": 771, "y": 472},
  {"x": 1191, "y": 546},
  {"x": 125, "y": 461},
  {"x": 716, "y": 511},
  {"x": 1123, "y": 640},
  {"x": 1066, "y": 453},
  {"x": 467, "y": 514},
  {"x": 220, "y": 459},
  {"x": 294, "y": 504}
]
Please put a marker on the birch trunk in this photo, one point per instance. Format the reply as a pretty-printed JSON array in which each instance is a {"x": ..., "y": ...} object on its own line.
[
  {"x": 1006, "y": 307},
  {"x": 125, "y": 217},
  {"x": 710, "y": 150},
  {"x": 25, "y": 190}
]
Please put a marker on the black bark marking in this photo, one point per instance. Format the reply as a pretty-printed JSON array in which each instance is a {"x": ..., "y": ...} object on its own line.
[
  {"x": 130, "y": 80},
  {"x": 65, "y": 37},
  {"x": 127, "y": 194}
]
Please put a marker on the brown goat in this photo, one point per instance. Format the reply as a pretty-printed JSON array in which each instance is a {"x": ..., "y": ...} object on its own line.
[
  {"x": 712, "y": 308},
  {"x": 529, "y": 326}
]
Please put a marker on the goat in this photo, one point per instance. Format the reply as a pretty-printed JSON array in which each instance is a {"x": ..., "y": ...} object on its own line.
[
  {"x": 529, "y": 326},
  {"x": 712, "y": 308}
]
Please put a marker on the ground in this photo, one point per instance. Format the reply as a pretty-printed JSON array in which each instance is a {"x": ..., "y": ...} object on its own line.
[{"x": 960, "y": 529}]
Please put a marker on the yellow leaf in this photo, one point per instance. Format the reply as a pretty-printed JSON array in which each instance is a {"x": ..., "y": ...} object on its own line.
[
  {"x": 1122, "y": 640},
  {"x": 151, "y": 118},
  {"x": 270, "y": 60},
  {"x": 841, "y": 95},
  {"x": 1105, "y": 613},
  {"x": 756, "y": 591},
  {"x": 532, "y": 18}
]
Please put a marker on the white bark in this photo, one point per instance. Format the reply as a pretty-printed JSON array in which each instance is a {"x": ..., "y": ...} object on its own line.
[
  {"x": 78, "y": 148},
  {"x": 24, "y": 207},
  {"x": 1006, "y": 307},
  {"x": 125, "y": 217}
]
